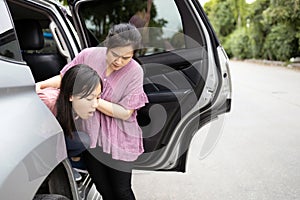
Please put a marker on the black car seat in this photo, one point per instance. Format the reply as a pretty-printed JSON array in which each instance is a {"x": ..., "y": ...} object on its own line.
[{"x": 31, "y": 39}]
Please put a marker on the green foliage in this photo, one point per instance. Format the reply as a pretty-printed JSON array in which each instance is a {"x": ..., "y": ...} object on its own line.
[
  {"x": 280, "y": 43},
  {"x": 221, "y": 17},
  {"x": 282, "y": 12},
  {"x": 239, "y": 44},
  {"x": 257, "y": 38},
  {"x": 257, "y": 29},
  {"x": 298, "y": 38},
  {"x": 265, "y": 29},
  {"x": 283, "y": 21},
  {"x": 239, "y": 10}
]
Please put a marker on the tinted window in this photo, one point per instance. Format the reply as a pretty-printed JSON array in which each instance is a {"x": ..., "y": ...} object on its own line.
[
  {"x": 50, "y": 45},
  {"x": 159, "y": 22},
  {"x": 9, "y": 47}
]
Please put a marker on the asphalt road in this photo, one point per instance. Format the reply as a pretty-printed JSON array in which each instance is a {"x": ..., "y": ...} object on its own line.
[{"x": 258, "y": 154}]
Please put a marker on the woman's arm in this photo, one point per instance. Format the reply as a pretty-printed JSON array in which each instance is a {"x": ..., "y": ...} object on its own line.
[
  {"x": 51, "y": 82},
  {"x": 113, "y": 110}
]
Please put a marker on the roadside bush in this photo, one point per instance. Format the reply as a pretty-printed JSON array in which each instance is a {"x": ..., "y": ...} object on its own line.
[
  {"x": 226, "y": 46},
  {"x": 281, "y": 43},
  {"x": 257, "y": 33},
  {"x": 239, "y": 44},
  {"x": 298, "y": 38}
]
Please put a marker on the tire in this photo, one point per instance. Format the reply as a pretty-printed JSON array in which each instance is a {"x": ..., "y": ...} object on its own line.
[{"x": 49, "y": 197}]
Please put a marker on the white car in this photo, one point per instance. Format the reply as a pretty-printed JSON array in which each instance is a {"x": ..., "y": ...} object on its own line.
[{"x": 186, "y": 78}]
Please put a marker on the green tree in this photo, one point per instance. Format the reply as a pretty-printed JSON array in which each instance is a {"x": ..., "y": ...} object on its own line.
[
  {"x": 257, "y": 29},
  {"x": 239, "y": 9},
  {"x": 238, "y": 44},
  {"x": 283, "y": 39},
  {"x": 268, "y": 29},
  {"x": 280, "y": 43},
  {"x": 221, "y": 17}
]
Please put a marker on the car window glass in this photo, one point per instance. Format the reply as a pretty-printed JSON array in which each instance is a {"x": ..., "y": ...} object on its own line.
[
  {"x": 158, "y": 21},
  {"x": 50, "y": 45},
  {"x": 9, "y": 47}
]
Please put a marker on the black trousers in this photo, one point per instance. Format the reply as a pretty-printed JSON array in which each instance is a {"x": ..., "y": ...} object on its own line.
[
  {"x": 78, "y": 144},
  {"x": 112, "y": 178}
]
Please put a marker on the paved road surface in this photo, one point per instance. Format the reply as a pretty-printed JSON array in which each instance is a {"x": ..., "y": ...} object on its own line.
[{"x": 258, "y": 154}]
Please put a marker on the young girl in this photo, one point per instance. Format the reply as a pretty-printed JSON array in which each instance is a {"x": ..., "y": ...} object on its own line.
[
  {"x": 116, "y": 138},
  {"x": 76, "y": 100}
]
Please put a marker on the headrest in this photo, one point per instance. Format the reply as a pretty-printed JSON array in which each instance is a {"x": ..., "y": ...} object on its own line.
[{"x": 30, "y": 34}]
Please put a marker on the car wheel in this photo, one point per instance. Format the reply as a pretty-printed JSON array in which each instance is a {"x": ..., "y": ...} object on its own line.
[{"x": 49, "y": 197}]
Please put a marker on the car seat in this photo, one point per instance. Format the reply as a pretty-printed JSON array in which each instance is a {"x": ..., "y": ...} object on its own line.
[{"x": 31, "y": 39}]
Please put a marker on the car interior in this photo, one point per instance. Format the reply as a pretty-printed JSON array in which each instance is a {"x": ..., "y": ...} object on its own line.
[
  {"x": 43, "y": 64},
  {"x": 38, "y": 47}
]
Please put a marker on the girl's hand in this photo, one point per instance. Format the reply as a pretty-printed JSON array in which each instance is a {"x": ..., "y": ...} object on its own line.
[
  {"x": 51, "y": 82},
  {"x": 38, "y": 87}
]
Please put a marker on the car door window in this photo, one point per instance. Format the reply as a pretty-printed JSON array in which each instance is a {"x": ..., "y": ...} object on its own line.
[
  {"x": 166, "y": 27},
  {"x": 9, "y": 47}
]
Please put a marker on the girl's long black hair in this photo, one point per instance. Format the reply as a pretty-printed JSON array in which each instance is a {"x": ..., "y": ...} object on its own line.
[{"x": 80, "y": 80}]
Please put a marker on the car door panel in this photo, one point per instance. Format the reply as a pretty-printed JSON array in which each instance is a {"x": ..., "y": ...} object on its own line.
[{"x": 171, "y": 82}]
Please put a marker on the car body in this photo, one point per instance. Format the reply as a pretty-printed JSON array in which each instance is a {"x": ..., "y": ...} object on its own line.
[{"x": 186, "y": 78}]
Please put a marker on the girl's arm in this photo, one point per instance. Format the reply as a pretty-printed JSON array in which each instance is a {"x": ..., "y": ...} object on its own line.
[
  {"x": 51, "y": 82},
  {"x": 113, "y": 110}
]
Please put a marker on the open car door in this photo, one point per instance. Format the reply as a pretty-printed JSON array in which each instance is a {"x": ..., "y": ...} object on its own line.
[{"x": 186, "y": 74}]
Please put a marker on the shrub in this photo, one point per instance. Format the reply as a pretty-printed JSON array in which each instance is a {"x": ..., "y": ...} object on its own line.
[
  {"x": 281, "y": 43},
  {"x": 239, "y": 44}
]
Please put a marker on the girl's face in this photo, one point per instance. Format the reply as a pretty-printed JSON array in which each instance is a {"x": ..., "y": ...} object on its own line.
[
  {"x": 85, "y": 107},
  {"x": 118, "y": 57}
]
